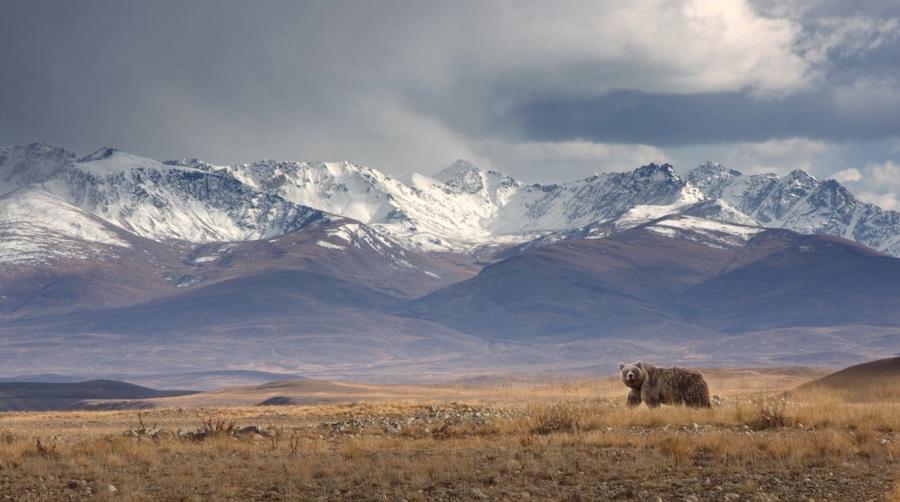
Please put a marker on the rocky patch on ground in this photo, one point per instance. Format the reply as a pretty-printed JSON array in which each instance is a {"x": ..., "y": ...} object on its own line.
[
  {"x": 437, "y": 421},
  {"x": 207, "y": 429}
]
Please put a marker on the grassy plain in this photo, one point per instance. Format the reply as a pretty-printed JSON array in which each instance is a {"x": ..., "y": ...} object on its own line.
[{"x": 495, "y": 439}]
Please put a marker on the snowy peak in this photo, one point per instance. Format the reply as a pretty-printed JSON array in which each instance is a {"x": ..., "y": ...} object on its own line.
[
  {"x": 194, "y": 164},
  {"x": 660, "y": 179},
  {"x": 800, "y": 177},
  {"x": 712, "y": 168},
  {"x": 101, "y": 154},
  {"x": 30, "y": 164},
  {"x": 656, "y": 173},
  {"x": 464, "y": 177},
  {"x": 711, "y": 177},
  {"x": 457, "y": 171},
  {"x": 112, "y": 162}
]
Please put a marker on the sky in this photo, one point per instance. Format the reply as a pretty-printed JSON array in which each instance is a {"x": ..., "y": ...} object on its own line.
[{"x": 543, "y": 91}]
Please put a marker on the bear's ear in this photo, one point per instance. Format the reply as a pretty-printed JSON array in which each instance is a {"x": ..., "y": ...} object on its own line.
[
  {"x": 621, "y": 366},
  {"x": 639, "y": 364}
]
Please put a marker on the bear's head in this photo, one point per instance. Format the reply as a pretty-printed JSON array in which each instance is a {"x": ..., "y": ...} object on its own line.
[{"x": 633, "y": 375}]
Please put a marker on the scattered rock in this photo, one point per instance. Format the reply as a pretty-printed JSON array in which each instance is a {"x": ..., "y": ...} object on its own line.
[
  {"x": 111, "y": 488},
  {"x": 77, "y": 484},
  {"x": 435, "y": 420},
  {"x": 249, "y": 429},
  {"x": 160, "y": 433},
  {"x": 148, "y": 432},
  {"x": 478, "y": 494}
]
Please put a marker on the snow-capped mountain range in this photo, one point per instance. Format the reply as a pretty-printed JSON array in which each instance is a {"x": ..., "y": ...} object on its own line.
[
  {"x": 112, "y": 261},
  {"x": 48, "y": 193}
]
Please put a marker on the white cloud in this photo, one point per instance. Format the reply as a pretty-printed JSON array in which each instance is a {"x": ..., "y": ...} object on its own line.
[
  {"x": 648, "y": 45},
  {"x": 849, "y": 175},
  {"x": 396, "y": 136},
  {"x": 778, "y": 156},
  {"x": 877, "y": 183},
  {"x": 886, "y": 174},
  {"x": 883, "y": 200}
]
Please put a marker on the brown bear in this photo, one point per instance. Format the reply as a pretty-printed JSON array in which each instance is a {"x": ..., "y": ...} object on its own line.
[{"x": 655, "y": 386}]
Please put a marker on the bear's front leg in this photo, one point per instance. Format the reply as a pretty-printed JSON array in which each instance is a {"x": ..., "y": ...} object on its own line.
[
  {"x": 651, "y": 399},
  {"x": 634, "y": 398}
]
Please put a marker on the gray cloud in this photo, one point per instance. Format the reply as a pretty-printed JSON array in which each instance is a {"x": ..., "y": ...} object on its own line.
[
  {"x": 545, "y": 91},
  {"x": 671, "y": 120}
]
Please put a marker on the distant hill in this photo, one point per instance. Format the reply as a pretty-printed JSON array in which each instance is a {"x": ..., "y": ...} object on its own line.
[
  {"x": 674, "y": 276},
  {"x": 872, "y": 381},
  {"x": 44, "y": 378},
  {"x": 296, "y": 392},
  {"x": 208, "y": 380},
  {"x": 49, "y": 396}
]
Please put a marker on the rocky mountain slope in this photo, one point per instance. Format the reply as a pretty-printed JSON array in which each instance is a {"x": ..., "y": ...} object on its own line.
[{"x": 801, "y": 203}]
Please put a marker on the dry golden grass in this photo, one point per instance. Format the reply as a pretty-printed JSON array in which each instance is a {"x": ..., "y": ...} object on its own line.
[
  {"x": 499, "y": 390},
  {"x": 565, "y": 439}
]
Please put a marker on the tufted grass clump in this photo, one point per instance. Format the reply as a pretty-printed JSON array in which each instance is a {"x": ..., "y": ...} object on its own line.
[
  {"x": 769, "y": 414},
  {"x": 557, "y": 417}
]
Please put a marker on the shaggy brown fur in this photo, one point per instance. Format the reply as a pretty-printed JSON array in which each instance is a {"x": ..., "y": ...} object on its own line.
[{"x": 655, "y": 386}]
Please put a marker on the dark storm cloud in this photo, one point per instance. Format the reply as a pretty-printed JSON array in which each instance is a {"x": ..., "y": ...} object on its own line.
[
  {"x": 226, "y": 80},
  {"x": 675, "y": 120},
  {"x": 404, "y": 85}
]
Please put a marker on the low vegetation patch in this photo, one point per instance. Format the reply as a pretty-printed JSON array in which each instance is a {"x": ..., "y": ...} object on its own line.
[
  {"x": 558, "y": 417},
  {"x": 769, "y": 414}
]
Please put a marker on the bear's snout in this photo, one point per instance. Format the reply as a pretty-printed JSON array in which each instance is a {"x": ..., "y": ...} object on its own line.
[{"x": 629, "y": 376}]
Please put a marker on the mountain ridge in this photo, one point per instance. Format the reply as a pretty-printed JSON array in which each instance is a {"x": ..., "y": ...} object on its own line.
[{"x": 461, "y": 209}]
